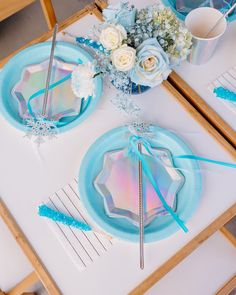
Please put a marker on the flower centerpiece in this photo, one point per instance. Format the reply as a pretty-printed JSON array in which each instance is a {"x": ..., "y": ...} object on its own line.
[{"x": 142, "y": 46}]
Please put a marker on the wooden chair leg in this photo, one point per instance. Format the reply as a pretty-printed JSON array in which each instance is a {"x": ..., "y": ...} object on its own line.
[
  {"x": 101, "y": 3},
  {"x": 49, "y": 13},
  {"x": 228, "y": 235},
  {"x": 20, "y": 238},
  {"x": 22, "y": 286},
  {"x": 97, "y": 12},
  {"x": 228, "y": 287}
]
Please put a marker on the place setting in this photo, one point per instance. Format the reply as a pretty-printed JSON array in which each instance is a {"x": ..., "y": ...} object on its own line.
[{"x": 41, "y": 98}]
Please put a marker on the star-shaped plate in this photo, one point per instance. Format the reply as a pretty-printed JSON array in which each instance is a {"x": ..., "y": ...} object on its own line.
[
  {"x": 61, "y": 101},
  {"x": 117, "y": 183}
]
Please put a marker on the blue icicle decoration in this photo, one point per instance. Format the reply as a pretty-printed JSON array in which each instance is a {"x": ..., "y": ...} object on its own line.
[
  {"x": 91, "y": 43},
  {"x": 45, "y": 211}
]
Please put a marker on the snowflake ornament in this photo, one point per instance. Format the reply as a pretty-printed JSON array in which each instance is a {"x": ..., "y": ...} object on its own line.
[
  {"x": 40, "y": 128},
  {"x": 140, "y": 128},
  {"x": 124, "y": 102}
]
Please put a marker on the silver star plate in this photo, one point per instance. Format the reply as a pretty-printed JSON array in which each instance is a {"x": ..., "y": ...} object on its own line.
[{"x": 117, "y": 183}]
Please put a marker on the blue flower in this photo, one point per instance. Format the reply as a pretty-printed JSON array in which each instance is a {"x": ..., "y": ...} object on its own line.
[
  {"x": 120, "y": 14},
  {"x": 152, "y": 66}
]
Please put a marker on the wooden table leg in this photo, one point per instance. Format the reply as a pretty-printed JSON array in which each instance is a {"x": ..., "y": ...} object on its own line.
[
  {"x": 24, "y": 285},
  {"x": 228, "y": 287},
  {"x": 49, "y": 13}
]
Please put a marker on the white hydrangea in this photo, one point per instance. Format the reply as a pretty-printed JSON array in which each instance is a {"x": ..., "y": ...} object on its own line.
[{"x": 82, "y": 80}]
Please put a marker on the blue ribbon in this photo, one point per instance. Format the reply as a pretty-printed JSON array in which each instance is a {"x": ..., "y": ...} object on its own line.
[
  {"x": 133, "y": 149},
  {"x": 192, "y": 157},
  {"x": 133, "y": 140},
  {"x": 227, "y": 6}
]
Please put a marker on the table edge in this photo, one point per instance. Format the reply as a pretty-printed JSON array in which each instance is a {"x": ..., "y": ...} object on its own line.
[{"x": 208, "y": 112}]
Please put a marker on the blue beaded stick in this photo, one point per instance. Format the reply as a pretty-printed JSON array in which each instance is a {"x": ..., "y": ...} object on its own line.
[
  {"x": 45, "y": 211},
  {"x": 224, "y": 93}
]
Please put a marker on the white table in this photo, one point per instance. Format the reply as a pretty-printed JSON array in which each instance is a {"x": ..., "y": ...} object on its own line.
[{"x": 27, "y": 181}]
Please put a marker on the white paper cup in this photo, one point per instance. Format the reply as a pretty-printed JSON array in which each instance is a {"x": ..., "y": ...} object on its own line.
[{"x": 199, "y": 22}]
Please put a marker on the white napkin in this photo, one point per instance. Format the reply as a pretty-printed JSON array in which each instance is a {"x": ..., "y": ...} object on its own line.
[
  {"x": 83, "y": 247},
  {"x": 228, "y": 81}
]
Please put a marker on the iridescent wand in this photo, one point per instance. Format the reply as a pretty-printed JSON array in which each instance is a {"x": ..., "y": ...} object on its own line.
[
  {"x": 45, "y": 99},
  {"x": 220, "y": 19},
  {"x": 140, "y": 195}
]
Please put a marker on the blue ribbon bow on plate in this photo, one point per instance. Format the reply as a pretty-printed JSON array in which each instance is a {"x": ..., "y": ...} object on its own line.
[{"x": 133, "y": 150}]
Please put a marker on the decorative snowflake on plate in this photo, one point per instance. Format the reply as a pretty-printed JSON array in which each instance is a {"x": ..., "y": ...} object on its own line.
[
  {"x": 139, "y": 128},
  {"x": 40, "y": 128},
  {"x": 124, "y": 102}
]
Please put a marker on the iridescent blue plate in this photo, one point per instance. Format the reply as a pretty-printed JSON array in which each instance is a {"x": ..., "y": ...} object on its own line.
[
  {"x": 188, "y": 196},
  {"x": 13, "y": 73}
]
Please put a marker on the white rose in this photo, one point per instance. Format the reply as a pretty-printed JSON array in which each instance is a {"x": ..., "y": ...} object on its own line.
[
  {"x": 112, "y": 36},
  {"x": 123, "y": 58}
]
